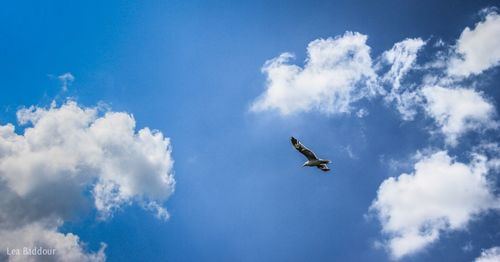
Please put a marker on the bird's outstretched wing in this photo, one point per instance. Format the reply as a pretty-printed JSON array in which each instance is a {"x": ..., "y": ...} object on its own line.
[
  {"x": 302, "y": 149},
  {"x": 324, "y": 167}
]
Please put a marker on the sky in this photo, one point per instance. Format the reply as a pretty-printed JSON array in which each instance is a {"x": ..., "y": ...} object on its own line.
[{"x": 160, "y": 130}]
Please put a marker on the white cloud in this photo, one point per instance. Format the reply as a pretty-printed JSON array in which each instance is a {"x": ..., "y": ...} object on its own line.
[
  {"x": 67, "y": 151},
  {"x": 477, "y": 49},
  {"x": 66, "y": 80},
  {"x": 458, "y": 110},
  {"x": 489, "y": 255},
  {"x": 401, "y": 59},
  {"x": 441, "y": 194},
  {"x": 68, "y": 247},
  {"x": 337, "y": 72}
]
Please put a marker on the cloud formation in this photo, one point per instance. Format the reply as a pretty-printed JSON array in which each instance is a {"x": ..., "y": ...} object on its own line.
[
  {"x": 338, "y": 71},
  {"x": 477, "y": 49},
  {"x": 71, "y": 159},
  {"x": 66, "y": 80},
  {"x": 441, "y": 194},
  {"x": 401, "y": 58},
  {"x": 458, "y": 110}
]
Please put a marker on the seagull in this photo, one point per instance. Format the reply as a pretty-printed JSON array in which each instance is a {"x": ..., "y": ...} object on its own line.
[{"x": 312, "y": 160}]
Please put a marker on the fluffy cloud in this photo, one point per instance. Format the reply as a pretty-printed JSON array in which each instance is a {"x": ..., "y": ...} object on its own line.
[
  {"x": 71, "y": 159},
  {"x": 338, "y": 71},
  {"x": 477, "y": 49},
  {"x": 458, "y": 110},
  {"x": 441, "y": 194},
  {"x": 68, "y": 247},
  {"x": 489, "y": 255}
]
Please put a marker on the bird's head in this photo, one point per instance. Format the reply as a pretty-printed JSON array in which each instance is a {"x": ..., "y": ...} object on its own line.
[{"x": 305, "y": 163}]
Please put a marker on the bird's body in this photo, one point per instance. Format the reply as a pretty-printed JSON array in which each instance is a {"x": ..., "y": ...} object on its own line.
[
  {"x": 316, "y": 162},
  {"x": 312, "y": 160}
]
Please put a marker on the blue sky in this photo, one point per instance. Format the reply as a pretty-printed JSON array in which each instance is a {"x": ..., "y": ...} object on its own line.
[{"x": 194, "y": 72}]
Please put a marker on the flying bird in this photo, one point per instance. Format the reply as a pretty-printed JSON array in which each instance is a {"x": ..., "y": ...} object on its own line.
[{"x": 312, "y": 160}]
